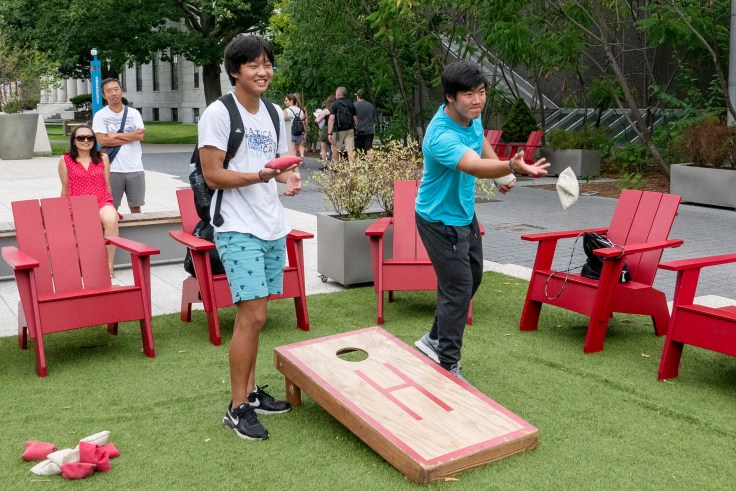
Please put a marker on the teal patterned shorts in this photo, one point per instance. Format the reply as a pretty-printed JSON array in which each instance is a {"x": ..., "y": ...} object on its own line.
[{"x": 254, "y": 267}]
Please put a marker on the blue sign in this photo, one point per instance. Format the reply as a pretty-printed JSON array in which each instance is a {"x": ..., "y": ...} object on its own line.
[{"x": 95, "y": 80}]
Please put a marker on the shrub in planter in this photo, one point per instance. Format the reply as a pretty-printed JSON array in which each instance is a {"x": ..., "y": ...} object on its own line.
[
  {"x": 708, "y": 143},
  {"x": 589, "y": 138},
  {"x": 351, "y": 187},
  {"x": 519, "y": 123}
]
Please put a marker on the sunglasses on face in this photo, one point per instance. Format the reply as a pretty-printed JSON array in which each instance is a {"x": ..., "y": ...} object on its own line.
[{"x": 85, "y": 138}]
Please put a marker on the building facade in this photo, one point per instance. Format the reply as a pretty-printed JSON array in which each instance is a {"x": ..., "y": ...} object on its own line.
[{"x": 161, "y": 90}]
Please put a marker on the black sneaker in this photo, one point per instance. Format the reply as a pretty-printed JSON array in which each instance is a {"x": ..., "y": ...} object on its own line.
[
  {"x": 263, "y": 403},
  {"x": 244, "y": 422}
]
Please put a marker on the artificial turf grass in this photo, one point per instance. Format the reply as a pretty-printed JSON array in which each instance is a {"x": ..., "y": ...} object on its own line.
[{"x": 603, "y": 419}]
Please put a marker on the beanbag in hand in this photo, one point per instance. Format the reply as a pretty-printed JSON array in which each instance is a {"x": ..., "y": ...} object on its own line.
[
  {"x": 37, "y": 450},
  {"x": 283, "y": 163}
]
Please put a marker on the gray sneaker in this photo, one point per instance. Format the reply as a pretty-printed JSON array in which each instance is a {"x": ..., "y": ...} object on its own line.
[
  {"x": 429, "y": 346},
  {"x": 457, "y": 371}
]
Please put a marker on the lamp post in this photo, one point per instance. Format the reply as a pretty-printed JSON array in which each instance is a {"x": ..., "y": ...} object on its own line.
[{"x": 95, "y": 79}]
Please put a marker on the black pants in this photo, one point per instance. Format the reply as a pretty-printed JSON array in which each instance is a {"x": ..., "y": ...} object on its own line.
[{"x": 457, "y": 257}]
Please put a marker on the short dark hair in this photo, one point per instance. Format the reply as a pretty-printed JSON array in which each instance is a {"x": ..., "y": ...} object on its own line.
[
  {"x": 244, "y": 49},
  {"x": 460, "y": 76},
  {"x": 93, "y": 153},
  {"x": 110, "y": 80}
]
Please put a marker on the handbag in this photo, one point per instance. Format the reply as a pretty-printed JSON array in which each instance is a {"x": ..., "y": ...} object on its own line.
[
  {"x": 113, "y": 151},
  {"x": 207, "y": 232},
  {"x": 594, "y": 264}
]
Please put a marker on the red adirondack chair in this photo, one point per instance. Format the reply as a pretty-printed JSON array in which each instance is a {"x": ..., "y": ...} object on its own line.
[
  {"x": 213, "y": 291},
  {"x": 706, "y": 327},
  {"x": 409, "y": 267},
  {"x": 60, "y": 267},
  {"x": 641, "y": 224},
  {"x": 493, "y": 137},
  {"x": 508, "y": 150}
]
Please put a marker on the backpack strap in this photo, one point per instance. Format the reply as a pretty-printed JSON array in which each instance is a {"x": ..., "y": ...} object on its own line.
[
  {"x": 274, "y": 119},
  {"x": 234, "y": 141}
]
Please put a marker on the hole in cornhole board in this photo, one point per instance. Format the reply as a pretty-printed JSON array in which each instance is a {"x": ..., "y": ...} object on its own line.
[{"x": 352, "y": 354}]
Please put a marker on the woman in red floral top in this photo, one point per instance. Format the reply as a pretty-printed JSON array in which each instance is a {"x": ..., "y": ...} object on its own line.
[{"x": 84, "y": 171}]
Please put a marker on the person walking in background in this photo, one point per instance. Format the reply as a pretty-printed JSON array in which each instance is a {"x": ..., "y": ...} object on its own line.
[
  {"x": 84, "y": 171},
  {"x": 365, "y": 129},
  {"x": 252, "y": 240},
  {"x": 120, "y": 131},
  {"x": 289, "y": 101},
  {"x": 295, "y": 114},
  {"x": 455, "y": 154},
  {"x": 325, "y": 152},
  {"x": 341, "y": 125}
]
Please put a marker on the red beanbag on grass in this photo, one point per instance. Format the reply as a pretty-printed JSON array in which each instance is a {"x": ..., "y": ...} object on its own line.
[
  {"x": 77, "y": 470},
  {"x": 283, "y": 163},
  {"x": 37, "y": 450}
]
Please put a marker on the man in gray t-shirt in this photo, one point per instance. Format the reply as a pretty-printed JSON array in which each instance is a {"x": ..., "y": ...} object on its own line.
[{"x": 365, "y": 130}]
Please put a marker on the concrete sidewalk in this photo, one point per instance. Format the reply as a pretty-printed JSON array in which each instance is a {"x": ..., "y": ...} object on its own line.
[{"x": 706, "y": 231}]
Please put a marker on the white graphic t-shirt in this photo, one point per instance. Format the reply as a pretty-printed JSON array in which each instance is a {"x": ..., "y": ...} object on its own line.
[
  {"x": 129, "y": 158},
  {"x": 253, "y": 209}
]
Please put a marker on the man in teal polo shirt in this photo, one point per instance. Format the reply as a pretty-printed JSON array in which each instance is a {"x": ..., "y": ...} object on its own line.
[{"x": 455, "y": 154}]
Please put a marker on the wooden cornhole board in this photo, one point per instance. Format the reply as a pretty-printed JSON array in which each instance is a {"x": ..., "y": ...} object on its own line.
[{"x": 425, "y": 422}]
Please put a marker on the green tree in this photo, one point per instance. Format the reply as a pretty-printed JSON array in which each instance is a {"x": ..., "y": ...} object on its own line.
[
  {"x": 383, "y": 46},
  {"x": 520, "y": 122},
  {"x": 130, "y": 31}
]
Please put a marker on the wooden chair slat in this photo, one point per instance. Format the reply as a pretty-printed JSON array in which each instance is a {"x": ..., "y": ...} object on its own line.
[{"x": 63, "y": 252}]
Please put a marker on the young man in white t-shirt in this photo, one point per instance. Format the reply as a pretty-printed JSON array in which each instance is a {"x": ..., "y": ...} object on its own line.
[
  {"x": 126, "y": 168},
  {"x": 252, "y": 239}
]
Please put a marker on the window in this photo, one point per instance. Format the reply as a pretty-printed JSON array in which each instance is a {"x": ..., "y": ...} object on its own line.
[
  {"x": 138, "y": 77},
  {"x": 154, "y": 65},
  {"x": 196, "y": 77},
  {"x": 195, "y": 114},
  {"x": 155, "y": 114},
  {"x": 174, "y": 72},
  {"x": 174, "y": 114}
]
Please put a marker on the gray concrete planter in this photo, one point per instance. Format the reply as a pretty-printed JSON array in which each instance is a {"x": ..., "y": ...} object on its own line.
[
  {"x": 704, "y": 185},
  {"x": 17, "y": 136},
  {"x": 343, "y": 249},
  {"x": 582, "y": 162}
]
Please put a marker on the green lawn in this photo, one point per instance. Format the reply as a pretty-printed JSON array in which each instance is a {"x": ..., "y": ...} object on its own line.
[
  {"x": 171, "y": 133},
  {"x": 604, "y": 421}
]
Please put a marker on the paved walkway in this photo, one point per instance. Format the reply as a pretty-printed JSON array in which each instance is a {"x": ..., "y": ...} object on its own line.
[{"x": 706, "y": 231}]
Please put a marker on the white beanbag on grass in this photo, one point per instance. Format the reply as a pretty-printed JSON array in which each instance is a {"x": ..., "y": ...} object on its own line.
[{"x": 46, "y": 468}]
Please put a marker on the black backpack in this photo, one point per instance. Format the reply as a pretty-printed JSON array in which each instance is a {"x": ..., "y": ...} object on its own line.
[
  {"x": 202, "y": 193},
  {"x": 594, "y": 264},
  {"x": 297, "y": 127},
  {"x": 344, "y": 116}
]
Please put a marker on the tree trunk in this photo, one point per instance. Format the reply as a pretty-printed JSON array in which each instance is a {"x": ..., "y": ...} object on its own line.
[{"x": 211, "y": 82}]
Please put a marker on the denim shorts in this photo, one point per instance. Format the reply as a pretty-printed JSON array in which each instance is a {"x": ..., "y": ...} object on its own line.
[{"x": 254, "y": 267}]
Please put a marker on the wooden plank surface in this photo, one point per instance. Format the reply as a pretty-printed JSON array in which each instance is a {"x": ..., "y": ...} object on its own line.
[{"x": 425, "y": 422}]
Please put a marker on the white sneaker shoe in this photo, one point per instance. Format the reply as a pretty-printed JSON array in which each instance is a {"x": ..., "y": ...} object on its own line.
[{"x": 428, "y": 346}]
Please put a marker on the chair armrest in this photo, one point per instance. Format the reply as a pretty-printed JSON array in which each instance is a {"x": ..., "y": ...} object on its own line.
[
  {"x": 18, "y": 260},
  {"x": 614, "y": 252},
  {"x": 379, "y": 227},
  {"x": 696, "y": 263},
  {"x": 132, "y": 246},
  {"x": 299, "y": 235},
  {"x": 190, "y": 241},
  {"x": 566, "y": 234}
]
